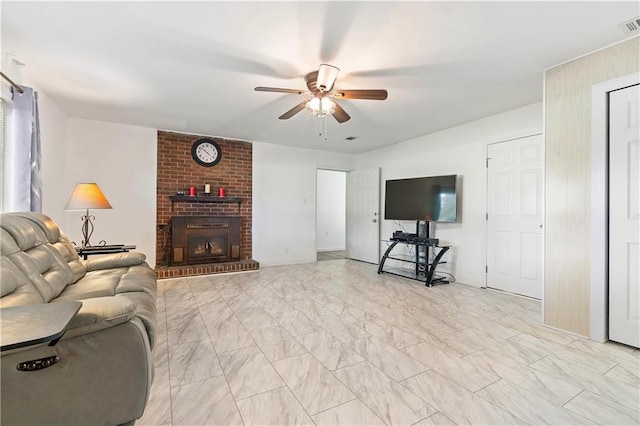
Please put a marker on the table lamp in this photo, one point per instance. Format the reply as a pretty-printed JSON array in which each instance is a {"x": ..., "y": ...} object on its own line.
[{"x": 87, "y": 196}]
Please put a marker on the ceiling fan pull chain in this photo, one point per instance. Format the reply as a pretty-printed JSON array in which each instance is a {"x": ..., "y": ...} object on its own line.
[{"x": 325, "y": 127}]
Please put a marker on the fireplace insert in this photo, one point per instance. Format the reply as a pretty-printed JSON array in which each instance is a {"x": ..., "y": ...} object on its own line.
[{"x": 204, "y": 239}]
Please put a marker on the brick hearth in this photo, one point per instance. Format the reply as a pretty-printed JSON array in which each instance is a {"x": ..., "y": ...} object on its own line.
[{"x": 208, "y": 269}]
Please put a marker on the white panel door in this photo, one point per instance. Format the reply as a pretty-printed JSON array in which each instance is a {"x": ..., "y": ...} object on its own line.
[
  {"x": 514, "y": 216},
  {"x": 624, "y": 216},
  {"x": 363, "y": 215}
]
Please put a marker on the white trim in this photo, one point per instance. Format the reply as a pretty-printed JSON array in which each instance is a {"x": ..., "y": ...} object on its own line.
[
  {"x": 590, "y": 53},
  {"x": 544, "y": 193},
  {"x": 598, "y": 330}
]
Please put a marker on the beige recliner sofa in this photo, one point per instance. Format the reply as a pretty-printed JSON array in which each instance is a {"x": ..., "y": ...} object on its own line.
[{"x": 106, "y": 365}]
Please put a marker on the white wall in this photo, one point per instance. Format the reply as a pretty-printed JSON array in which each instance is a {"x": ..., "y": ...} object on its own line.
[
  {"x": 284, "y": 188},
  {"x": 331, "y": 210},
  {"x": 459, "y": 150},
  {"x": 121, "y": 159}
]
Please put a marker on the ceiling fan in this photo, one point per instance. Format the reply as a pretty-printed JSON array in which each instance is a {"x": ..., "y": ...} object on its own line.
[{"x": 322, "y": 94}]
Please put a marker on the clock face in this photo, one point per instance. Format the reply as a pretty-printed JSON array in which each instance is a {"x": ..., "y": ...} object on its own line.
[{"x": 206, "y": 152}]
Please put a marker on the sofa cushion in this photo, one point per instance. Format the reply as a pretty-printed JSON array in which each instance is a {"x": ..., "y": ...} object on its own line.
[
  {"x": 46, "y": 270},
  {"x": 48, "y": 229},
  {"x": 92, "y": 285},
  {"x": 145, "y": 311},
  {"x": 7, "y": 243},
  {"x": 69, "y": 254},
  {"x": 99, "y": 313},
  {"x": 15, "y": 287},
  {"x": 22, "y": 232},
  {"x": 137, "y": 283},
  {"x": 139, "y": 278},
  {"x": 45, "y": 223},
  {"x": 43, "y": 255},
  {"x": 109, "y": 282},
  {"x": 115, "y": 260}
]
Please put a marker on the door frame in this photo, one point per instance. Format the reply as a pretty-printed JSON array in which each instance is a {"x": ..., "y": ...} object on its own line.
[
  {"x": 315, "y": 202},
  {"x": 524, "y": 135},
  {"x": 599, "y": 306}
]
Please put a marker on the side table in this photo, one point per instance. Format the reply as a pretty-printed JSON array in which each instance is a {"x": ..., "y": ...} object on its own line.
[{"x": 85, "y": 252}]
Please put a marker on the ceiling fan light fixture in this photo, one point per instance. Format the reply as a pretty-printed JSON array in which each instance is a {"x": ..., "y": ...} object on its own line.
[
  {"x": 319, "y": 98},
  {"x": 320, "y": 106},
  {"x": 327, "y": 75}
]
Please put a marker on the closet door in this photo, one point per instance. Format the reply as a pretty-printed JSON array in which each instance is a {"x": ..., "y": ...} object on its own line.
[
  {"x": 514, "y": 216},
  {"x": 624, "y": 216}
]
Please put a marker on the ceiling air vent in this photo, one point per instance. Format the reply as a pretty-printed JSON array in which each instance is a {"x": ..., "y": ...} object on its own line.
[{"x": 632, "y": 26}]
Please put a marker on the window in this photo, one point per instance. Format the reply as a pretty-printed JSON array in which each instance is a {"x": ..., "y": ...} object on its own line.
[{"x": 20, "y": 177}]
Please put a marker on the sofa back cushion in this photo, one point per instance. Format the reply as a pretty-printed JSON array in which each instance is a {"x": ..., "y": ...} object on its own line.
[
  {"x": 65, "y": 248},
  {"x": 15, "y": 287},
  {"x": 39, "y": 251},
  {"x": 59, "y": 242}
]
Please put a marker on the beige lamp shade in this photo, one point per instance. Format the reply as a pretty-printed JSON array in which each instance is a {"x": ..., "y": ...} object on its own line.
[{"x": 87, "y": 196}]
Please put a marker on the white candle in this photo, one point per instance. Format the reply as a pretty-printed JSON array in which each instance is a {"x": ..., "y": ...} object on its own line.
[{"x": 207, "y": 188}]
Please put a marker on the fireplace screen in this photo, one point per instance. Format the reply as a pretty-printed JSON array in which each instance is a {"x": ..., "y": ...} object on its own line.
[{"x": 207, "y": 248}]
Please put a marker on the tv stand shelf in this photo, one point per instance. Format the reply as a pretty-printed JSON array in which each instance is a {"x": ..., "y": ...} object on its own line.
[{"x": 422, "y": 270}]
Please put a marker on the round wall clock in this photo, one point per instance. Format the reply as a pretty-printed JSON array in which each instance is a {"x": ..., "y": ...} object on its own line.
[{"x": 206, "y": 152}]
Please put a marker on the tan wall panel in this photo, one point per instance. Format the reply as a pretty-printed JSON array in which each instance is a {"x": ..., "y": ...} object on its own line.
[{"x": 567, "y": 182}]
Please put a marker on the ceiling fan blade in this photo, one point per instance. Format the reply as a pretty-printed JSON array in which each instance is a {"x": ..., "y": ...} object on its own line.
[
  {"x": 279, "y": 90},
  {"x": 371, "y": 94},
  {"x": 340, "y": 114},
  {"x": 327, "y": 75},
  {"x": 293, "y": 111}
]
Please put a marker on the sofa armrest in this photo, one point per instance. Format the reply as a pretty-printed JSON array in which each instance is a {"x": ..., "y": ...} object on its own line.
[
  {"x": 115, "y": 260},
  {"x": 100, "y": 313}
]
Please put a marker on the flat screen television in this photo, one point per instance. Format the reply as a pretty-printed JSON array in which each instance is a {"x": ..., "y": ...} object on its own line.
[{"x": 426, "y": 198}]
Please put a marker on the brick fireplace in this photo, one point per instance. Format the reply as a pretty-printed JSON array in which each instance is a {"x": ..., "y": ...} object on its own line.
[{"x": 214, "y": 237}]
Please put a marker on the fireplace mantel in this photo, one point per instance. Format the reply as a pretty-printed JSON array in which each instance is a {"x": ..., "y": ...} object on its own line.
[{"x": 204, "y": 199}]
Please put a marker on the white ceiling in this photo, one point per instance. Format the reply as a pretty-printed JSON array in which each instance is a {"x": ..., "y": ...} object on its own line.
[{"x": 192, "y": 66}]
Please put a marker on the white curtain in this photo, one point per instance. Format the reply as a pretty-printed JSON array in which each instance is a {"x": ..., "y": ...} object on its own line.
[{"x": 21, "y": 162}]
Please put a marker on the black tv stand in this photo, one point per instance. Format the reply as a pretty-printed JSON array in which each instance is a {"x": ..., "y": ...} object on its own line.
[{"x": 423, "y": 270}]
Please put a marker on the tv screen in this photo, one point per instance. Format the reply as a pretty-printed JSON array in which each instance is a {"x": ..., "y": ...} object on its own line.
[{"x": 426, "y": 198}]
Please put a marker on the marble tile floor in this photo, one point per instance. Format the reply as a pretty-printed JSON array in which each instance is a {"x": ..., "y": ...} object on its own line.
[
  {"x": 331, "y": 255},
  {"x": 334, "y": 343}
]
